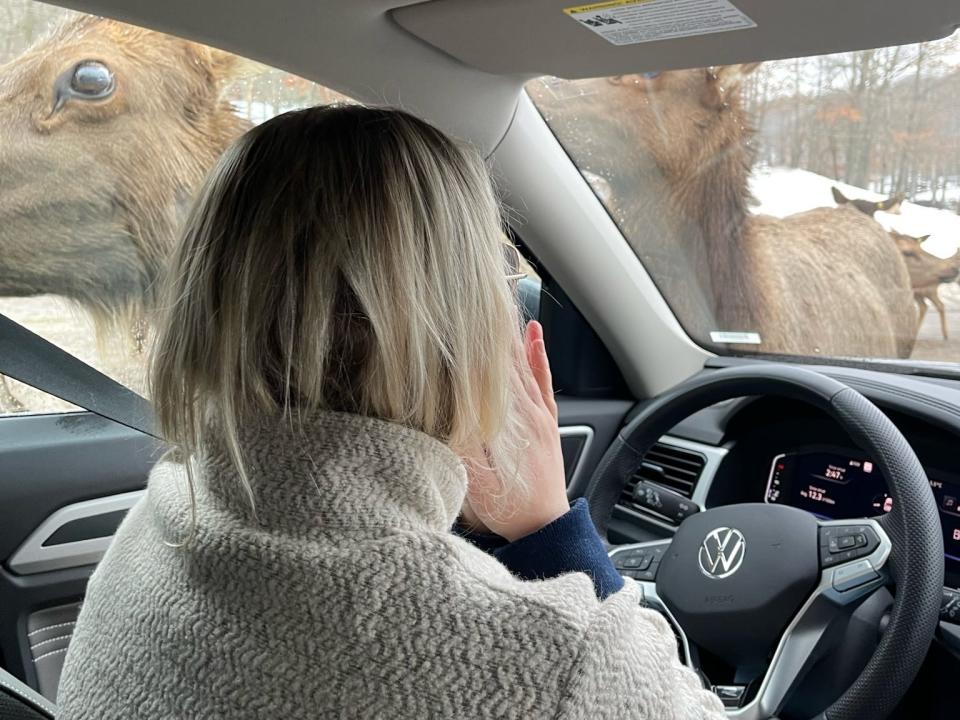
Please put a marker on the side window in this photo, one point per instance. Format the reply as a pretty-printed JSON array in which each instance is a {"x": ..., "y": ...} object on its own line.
[{"x": 106, "y": 131}]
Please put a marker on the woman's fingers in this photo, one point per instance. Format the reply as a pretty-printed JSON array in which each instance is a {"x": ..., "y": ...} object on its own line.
[
  {"x": 525, "y": 369},
  {"x": 498, "y": 502},
  {"x": 540, "y": 365}
]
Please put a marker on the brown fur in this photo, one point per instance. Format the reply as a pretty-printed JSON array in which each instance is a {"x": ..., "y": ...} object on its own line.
[
  {"x": 675, "y": 150},
  {"x": 92, "y": 192},
  {"x": 927, "y": 274}
]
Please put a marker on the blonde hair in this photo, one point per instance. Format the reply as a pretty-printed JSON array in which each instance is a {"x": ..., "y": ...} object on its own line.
[{"x": 339, "y": 258}]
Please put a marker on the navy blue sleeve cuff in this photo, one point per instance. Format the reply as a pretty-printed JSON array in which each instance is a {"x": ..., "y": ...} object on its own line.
[
  {"x": 568, "y": 544},
  {"x": 488, "y": 542}
]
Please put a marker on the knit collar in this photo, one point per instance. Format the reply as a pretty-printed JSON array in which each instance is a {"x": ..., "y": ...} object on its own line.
[{"x": 338, "y": 471}]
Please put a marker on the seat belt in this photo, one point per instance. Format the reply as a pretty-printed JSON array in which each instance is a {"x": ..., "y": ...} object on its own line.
[{"x": 27, "y": 357}]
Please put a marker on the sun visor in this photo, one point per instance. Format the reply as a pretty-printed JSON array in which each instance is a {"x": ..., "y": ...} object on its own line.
[{"x": 561, "y": 38}]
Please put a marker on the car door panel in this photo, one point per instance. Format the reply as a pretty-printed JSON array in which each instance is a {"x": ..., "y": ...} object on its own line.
[{"x": 84, "y": 470}]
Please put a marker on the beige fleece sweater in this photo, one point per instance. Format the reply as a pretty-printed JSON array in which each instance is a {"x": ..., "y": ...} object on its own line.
[{"x": 348, "y": 597}]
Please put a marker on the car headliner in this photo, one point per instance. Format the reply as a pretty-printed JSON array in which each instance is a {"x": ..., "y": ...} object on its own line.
[{"x": 460, "y": 63}]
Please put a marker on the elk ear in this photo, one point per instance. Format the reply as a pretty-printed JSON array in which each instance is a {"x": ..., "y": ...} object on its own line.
[
  {"x": 224, "y": 66},
  {"x": 891, "y": 205},
  {"x": 838, "y": 197},
  {"x": 731, "y": 76},
  {"x": 220, "y": 66},
  {"x": 723, "y": 82},
  {"x": 923, "y": 238},
  {"x": 213, "y": 70}
]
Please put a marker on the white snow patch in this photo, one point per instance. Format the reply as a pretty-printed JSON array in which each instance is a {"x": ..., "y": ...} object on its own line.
[{"x": 784, "y": 191}]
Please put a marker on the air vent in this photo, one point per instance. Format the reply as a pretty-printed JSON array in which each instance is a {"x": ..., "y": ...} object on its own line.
[{"x": 668, "y": 467}]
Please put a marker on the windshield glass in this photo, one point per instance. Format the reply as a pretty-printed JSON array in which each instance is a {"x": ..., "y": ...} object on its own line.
[
  {"x": 106, "y": 132},
  {"x": 802, "y": 207}
]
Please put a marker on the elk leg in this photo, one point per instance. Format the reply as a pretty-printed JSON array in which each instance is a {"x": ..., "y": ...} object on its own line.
[
  {"x": 938, "y": 304},
  {"x": 922, "y": 304}
]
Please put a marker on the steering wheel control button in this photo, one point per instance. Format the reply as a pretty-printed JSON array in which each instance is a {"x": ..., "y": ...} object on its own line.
[
  {"x": 950, "y": 606},
  {"x": 853, "y": 576},
  {"x": 843, "y": 543},
  {"x": 730, "y": 695},
  {"x": 665, "y": 503},
  {"x": 639, "y": 563}
]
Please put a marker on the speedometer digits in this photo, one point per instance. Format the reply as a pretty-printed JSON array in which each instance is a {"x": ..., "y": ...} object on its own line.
[{"x": 818, "y": 482}]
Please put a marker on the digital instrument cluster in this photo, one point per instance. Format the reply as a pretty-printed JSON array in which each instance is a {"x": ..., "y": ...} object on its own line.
[{"x": 836, "y": 485}]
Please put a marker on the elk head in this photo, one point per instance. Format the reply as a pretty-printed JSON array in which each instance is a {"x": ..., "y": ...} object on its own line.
[
  {"x": 105, "y": 132},
  {"x": 672, "y": 137},
  {"x": 688, "y": 120},
  {"x": 926, "y": 270},
  {"x": 908, "y": 245}
]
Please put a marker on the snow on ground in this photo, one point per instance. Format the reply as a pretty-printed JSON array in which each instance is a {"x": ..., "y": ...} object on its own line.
[{"x": 785, "y": 191}]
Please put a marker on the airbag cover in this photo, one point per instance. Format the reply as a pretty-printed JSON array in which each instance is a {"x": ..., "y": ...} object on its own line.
[{"x": 735, "y": 576}]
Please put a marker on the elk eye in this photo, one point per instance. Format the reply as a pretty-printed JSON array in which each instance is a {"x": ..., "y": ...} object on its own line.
[
  {"x": 92, "y": 80},
  {"x": 651, "y": 75}
]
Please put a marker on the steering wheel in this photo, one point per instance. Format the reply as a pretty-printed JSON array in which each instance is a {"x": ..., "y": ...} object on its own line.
[{"x": 757, "y": 585}]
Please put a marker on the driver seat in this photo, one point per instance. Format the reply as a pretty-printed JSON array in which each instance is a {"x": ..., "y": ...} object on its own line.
[{"x": 20, "y": 702}]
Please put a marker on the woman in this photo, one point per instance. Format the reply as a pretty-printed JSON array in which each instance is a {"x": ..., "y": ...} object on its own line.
[{"x": 340, "y": 371}]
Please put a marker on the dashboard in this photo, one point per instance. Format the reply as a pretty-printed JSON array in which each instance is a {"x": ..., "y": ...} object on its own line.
[
  {"x": 779, "y": 450},
  {"x": 783, "y": 451},
  {"x": 791, "y": 453},
  {"x": 833, "y": 484}
]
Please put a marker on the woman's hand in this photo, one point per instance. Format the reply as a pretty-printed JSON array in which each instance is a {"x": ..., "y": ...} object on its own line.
[{"x": 513, "y": 510}]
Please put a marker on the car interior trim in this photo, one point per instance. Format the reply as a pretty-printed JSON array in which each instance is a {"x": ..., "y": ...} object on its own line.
[
  {"x": 714, "y": 457},
  {"x": 495, "y": 35},
  {"x": 33, "y": 556},
  {"x": 586, "y": 432},
  {"x": 652, "y": 599}
]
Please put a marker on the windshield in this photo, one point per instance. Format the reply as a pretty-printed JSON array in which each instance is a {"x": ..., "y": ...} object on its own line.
[
  {"x": 801, "y": 207},
  {"x": 106, "y": 132}
]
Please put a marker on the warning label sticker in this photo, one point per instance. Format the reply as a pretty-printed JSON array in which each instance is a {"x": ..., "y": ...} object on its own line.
[
  {"x": 628, "y": 22},
  {"x": 739, "y": 338}
]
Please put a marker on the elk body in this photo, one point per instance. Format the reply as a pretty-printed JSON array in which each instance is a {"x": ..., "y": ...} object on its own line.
[
  {"x": 674, "y": 149},
  {"x": 927, "y": 274},
  {"x": 106, "y": 132}
]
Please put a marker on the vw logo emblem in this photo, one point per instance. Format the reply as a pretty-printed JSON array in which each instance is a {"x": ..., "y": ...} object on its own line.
[{"x": 721, "y": 552}]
